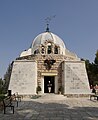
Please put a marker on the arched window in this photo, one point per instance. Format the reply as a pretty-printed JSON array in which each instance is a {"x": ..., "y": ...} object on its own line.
[
  {"x": 55, "y": 50},
  {"x": 42, "y": 50},
  {"x": 49, "y": 49},
  {"x": 36, "y": 51}
]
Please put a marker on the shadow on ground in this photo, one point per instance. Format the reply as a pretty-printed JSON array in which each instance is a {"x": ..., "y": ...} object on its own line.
[{"x": 51, "y": 110}]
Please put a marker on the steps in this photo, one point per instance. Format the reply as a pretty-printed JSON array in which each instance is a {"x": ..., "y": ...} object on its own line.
[{"x": 52, "y": 97}]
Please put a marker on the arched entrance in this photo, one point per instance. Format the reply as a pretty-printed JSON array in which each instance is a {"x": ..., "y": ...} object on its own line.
[{"x": 49, "y": 84}]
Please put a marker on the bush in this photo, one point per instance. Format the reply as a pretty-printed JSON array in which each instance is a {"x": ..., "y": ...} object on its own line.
[
  {"x": 60, "y": 90},
  {"x": 38, "y": 89},
  {"x": 2, "y": 96}
]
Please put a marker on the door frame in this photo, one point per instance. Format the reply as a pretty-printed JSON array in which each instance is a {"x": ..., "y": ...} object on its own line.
[{"x": 49, "y": 83}]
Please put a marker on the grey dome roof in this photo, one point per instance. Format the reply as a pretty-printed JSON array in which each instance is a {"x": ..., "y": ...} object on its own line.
[{"x": 41, "y": 38}]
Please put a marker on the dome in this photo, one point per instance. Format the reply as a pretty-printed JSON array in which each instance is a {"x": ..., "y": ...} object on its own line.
[
  {"x": 48, "y": 43},
  {"x": 41, "y": 38}
]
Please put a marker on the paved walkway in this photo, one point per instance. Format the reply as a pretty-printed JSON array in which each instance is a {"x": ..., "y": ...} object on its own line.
[{"x": 53, "y": 107}]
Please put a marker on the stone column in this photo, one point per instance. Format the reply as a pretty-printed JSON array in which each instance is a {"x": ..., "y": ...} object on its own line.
[
  {"x": 64, "y": 78},
  {"x": 42, "y": 84},
  {"x": 56, "y": 84}
]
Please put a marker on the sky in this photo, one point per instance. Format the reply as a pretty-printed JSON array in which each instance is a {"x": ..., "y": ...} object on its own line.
[{"x": 75, "y": 22}]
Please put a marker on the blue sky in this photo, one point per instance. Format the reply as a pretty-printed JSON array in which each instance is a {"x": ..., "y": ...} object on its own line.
[{"x": 76, "y": 22}]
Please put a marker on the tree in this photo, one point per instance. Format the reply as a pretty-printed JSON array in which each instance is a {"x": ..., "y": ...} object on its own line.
[
  {"x": 1, "y": 85},
  {"x": 92, "y": 70},
  {"x": 95, "y": 69},
  {"x": 7, "y": 77},
  {"x": 96, "y": 58},
  {"x": 89, "y": 71}
]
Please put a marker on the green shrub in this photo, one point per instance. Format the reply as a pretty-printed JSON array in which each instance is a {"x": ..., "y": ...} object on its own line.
[
  {"x": 38, "y": 89},
  {"x": 2, "y": 96},
  {"x": 60, "y": 89}
]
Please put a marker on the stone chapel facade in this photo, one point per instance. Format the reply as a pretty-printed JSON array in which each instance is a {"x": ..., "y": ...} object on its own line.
[{"x": 50, "y": 65}]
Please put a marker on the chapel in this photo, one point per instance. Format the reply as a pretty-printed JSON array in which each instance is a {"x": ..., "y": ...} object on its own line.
[{"x": 49, "y": 64}]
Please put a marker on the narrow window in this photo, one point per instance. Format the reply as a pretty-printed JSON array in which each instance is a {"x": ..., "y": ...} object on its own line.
[
  {"x": 36, "y": 51},
  {"x": 56, "y": 50},
  {"x": 49, "y": 49},
  {"x": 43, "y": 50}
]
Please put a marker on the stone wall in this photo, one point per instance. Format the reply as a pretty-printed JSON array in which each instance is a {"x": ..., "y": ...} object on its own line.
[
  {"x": 41, "y": 68},
  {"x": 75, "y": 78},
  {"x": 71, "y": 75},
  {"x": 24, "y": 77}
]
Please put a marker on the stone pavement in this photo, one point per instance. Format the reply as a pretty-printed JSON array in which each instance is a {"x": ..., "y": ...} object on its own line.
[{"x": 53, "y": 107}]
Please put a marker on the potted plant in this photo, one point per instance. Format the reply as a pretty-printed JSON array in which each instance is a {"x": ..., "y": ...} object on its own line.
[
  {"x": 38, "y": 89},
  {"x": 60, "y": 90}
]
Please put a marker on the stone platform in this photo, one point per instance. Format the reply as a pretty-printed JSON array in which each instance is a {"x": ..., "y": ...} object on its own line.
[{"x": 53, "y": 107}]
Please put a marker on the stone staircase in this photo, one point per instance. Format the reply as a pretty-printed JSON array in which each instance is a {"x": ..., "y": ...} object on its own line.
[{"x": 52, "y": 97}]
